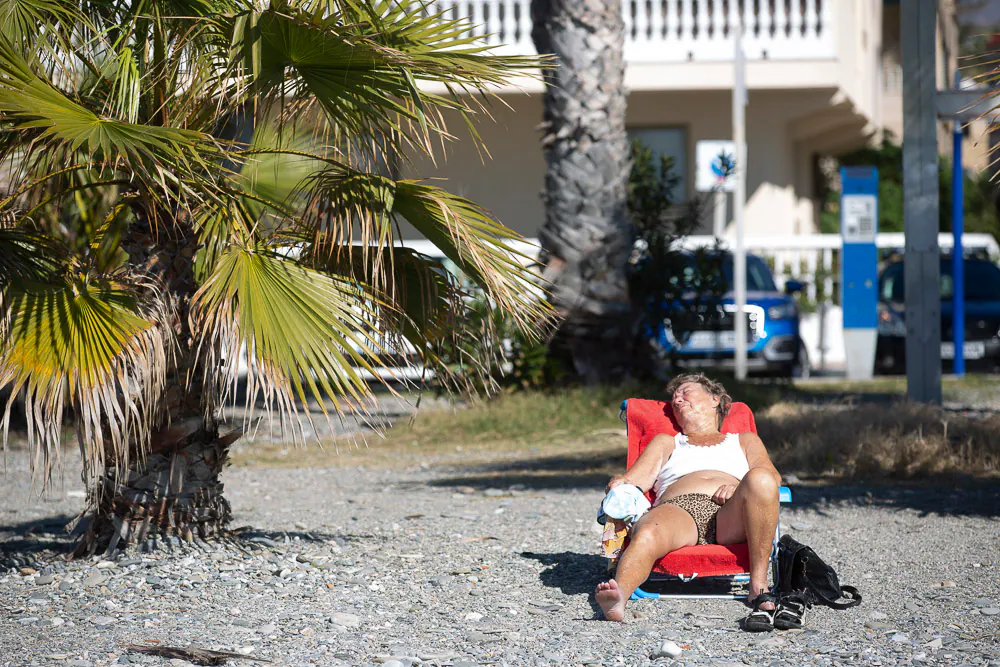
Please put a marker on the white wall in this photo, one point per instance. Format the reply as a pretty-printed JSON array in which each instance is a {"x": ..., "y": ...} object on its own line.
[{"x": 779, "y": 186}]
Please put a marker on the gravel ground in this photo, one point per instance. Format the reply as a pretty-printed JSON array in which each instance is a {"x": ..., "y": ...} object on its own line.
[{"x": 434, "y": 565}]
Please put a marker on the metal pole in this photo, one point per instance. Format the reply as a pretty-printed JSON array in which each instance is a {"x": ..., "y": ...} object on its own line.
[
  {"x": 922, "y": 263},
  {"x": 957, "y": 260},
  {"x": 719, "y": 223},
  {"x": 739, "y": 199}
]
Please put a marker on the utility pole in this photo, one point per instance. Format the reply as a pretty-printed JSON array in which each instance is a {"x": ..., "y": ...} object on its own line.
[
  {"x": 922, "y": 260},
  {"x": 739, "y": 199}
]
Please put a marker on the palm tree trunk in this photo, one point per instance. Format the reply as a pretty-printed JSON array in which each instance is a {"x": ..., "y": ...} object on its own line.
[
  {"x": 585, "y": 237},
  {"x": 169, "y": 491}
]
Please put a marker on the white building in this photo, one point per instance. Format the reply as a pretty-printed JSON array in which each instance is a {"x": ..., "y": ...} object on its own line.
[{"x": 822, "y": 76}]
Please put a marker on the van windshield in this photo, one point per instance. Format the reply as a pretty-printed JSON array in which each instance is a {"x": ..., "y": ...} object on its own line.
[{"x": 982, "y": 281}]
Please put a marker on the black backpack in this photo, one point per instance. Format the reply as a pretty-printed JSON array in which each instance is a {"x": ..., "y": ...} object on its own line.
[{"x": 801, "y": 570}]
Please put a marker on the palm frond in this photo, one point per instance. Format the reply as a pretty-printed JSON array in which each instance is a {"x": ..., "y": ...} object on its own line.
[
  {"x": 90, "y": 344},
  {"x": 307, "y": 335},
  {"x": 21, "y": 20},
  {"x": 479, "y": 245},
  {"x": 363, "y": 64},
  {"x": 159, "y": 155}
]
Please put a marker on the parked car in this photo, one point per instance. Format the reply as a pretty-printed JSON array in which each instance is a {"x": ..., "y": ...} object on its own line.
[
  {"x": 982, "y": 316},
  {"x": 708, "y": 340}
]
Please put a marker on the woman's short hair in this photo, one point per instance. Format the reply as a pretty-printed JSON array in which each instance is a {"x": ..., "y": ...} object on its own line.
[{"x": 711, "y": 386}]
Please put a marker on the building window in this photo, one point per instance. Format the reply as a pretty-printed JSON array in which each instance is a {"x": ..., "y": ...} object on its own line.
[{"x": 668, "y": 142}]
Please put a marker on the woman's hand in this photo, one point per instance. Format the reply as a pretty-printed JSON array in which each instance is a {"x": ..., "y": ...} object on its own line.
[
  {"x": 724, "y": 493},
  {"x": 615, "y": 481}
]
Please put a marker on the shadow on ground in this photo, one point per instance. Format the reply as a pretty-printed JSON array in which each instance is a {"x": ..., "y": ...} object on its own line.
[
  {"x": 572, "y": 573},
  {"x": 573, "y": 471},
  {"x": 962, "y": 496},
  {"x": 45, "y": 534}
]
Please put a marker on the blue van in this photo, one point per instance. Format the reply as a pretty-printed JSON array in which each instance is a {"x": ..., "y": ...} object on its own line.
[{"x": 773, "y": 342}]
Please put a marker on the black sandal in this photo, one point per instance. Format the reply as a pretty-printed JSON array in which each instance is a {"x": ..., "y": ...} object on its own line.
[
  {"x": 760, "y": 620},
  {"x": 791, "y": 609}
]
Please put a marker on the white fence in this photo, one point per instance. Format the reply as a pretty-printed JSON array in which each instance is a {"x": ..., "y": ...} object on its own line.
[
  {"x": 813, "y": 260},
  {"x": 676, "y": 30}
]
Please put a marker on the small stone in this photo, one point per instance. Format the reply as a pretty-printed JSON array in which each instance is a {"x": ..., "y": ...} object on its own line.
[
  {"x": 345, "y": 620},
  {"x": 80, "y": 663},
  {"x": 393, "y": 663},
  {"x": 879, "y": 616},
  {"x": 103, "y": 621},
  {"x": 477, "y": 592},
  {"x": 666, "y": 649},
  {"x": 474, "y": 616},
  {"x": 879, "y": 625},
  {"x": 772, "y": 642},
  {"x": 268, "y": 629},
  {"x": 900, "y": 637},
  {"x": 66, "y": 586},
  {"x": 28, "y": 571},
  {"x": 911, "y": 606},
  {"x": 107, "y": 565},
  {"x": 437, "y": 657},
  {"x": 300, "y": 525},
  {"x": 946, "y": 584},
  {"x": 44, "y": 579},
  {"x": 93, "y": 579},
  {"x": 935, "y": 644},
  {"x": 989, "y": 611}
]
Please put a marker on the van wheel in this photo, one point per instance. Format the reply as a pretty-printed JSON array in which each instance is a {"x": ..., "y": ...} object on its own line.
[{"x": 801, "y": 368}]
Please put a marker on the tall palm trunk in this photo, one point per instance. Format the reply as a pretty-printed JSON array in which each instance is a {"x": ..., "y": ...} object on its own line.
[
  {"x": 586, "y": 236},
  {"x": 170, "y": 491}
]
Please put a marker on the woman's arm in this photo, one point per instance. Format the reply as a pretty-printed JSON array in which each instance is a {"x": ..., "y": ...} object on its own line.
[
  {"x": 645, "y": 469},
  {"x": 757, "y": 458},
  {"x": 756, "y": 454}
]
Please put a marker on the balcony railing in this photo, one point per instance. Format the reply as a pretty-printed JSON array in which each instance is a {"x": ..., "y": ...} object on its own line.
[{"x": 674, "y": 31}]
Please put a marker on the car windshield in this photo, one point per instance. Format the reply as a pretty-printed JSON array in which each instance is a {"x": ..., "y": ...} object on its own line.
[
  {"x": 982, "y": 281},
  {"x": 758, "y": 275}
]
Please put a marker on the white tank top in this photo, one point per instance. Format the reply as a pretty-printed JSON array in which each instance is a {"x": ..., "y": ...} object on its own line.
[{"x": 727, "y": 457}]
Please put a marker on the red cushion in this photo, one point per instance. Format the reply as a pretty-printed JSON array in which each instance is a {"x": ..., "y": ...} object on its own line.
[
  {"x": 646, "y": 419},
  {"x": 707, "y": 560}
]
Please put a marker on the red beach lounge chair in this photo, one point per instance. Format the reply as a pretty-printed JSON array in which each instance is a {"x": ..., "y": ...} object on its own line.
[{"x": 721, "y": 563}]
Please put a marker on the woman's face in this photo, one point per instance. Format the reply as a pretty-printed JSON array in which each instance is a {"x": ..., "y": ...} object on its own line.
[{"x": 691, "y": 398}]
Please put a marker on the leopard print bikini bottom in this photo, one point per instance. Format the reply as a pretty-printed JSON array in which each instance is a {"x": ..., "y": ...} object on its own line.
[{"x": 702, "y": 509}]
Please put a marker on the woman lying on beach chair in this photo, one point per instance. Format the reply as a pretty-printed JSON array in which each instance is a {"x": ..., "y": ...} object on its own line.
[{"x": 711, "y": 488}]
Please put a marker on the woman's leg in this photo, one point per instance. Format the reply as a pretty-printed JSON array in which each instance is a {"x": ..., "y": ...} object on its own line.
[
  {"x": 751, "y": 515},
  {"x": 663, "y": 529}
]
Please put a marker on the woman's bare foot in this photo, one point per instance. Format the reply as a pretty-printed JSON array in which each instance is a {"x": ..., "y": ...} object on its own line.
[{"x": 611, "y": 599}]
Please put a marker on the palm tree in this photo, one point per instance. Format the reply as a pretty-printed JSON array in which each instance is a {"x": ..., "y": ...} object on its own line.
[
  {"x": 189, "y": 179},
  {"x": 585, "y": 236}
]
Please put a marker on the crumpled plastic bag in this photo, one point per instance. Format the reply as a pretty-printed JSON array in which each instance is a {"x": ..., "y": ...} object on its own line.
[
  {"x": 622, "y": 507},
  {"x": 625, "y": 502}
]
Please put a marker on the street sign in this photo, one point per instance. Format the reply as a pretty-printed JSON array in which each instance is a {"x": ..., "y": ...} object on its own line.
[
  {"x": 715, "y": 165},
  {"x": 859, "y": 268}
]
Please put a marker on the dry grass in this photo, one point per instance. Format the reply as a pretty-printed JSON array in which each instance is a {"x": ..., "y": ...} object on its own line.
[
  {"x": 894, "y": 441},
  {"x": 834, "y": 432}
]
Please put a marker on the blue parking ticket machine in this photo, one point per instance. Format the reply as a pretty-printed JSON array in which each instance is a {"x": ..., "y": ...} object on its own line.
[{"x": 859, "y": 268}]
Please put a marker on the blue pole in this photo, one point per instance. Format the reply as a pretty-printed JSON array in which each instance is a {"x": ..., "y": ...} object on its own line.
[{"x": 957, "y": 260}]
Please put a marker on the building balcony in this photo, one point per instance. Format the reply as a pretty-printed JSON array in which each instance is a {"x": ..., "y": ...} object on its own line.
[
  {"x": 676, "y": 31},
  {"x": 823, "y": 47}
]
